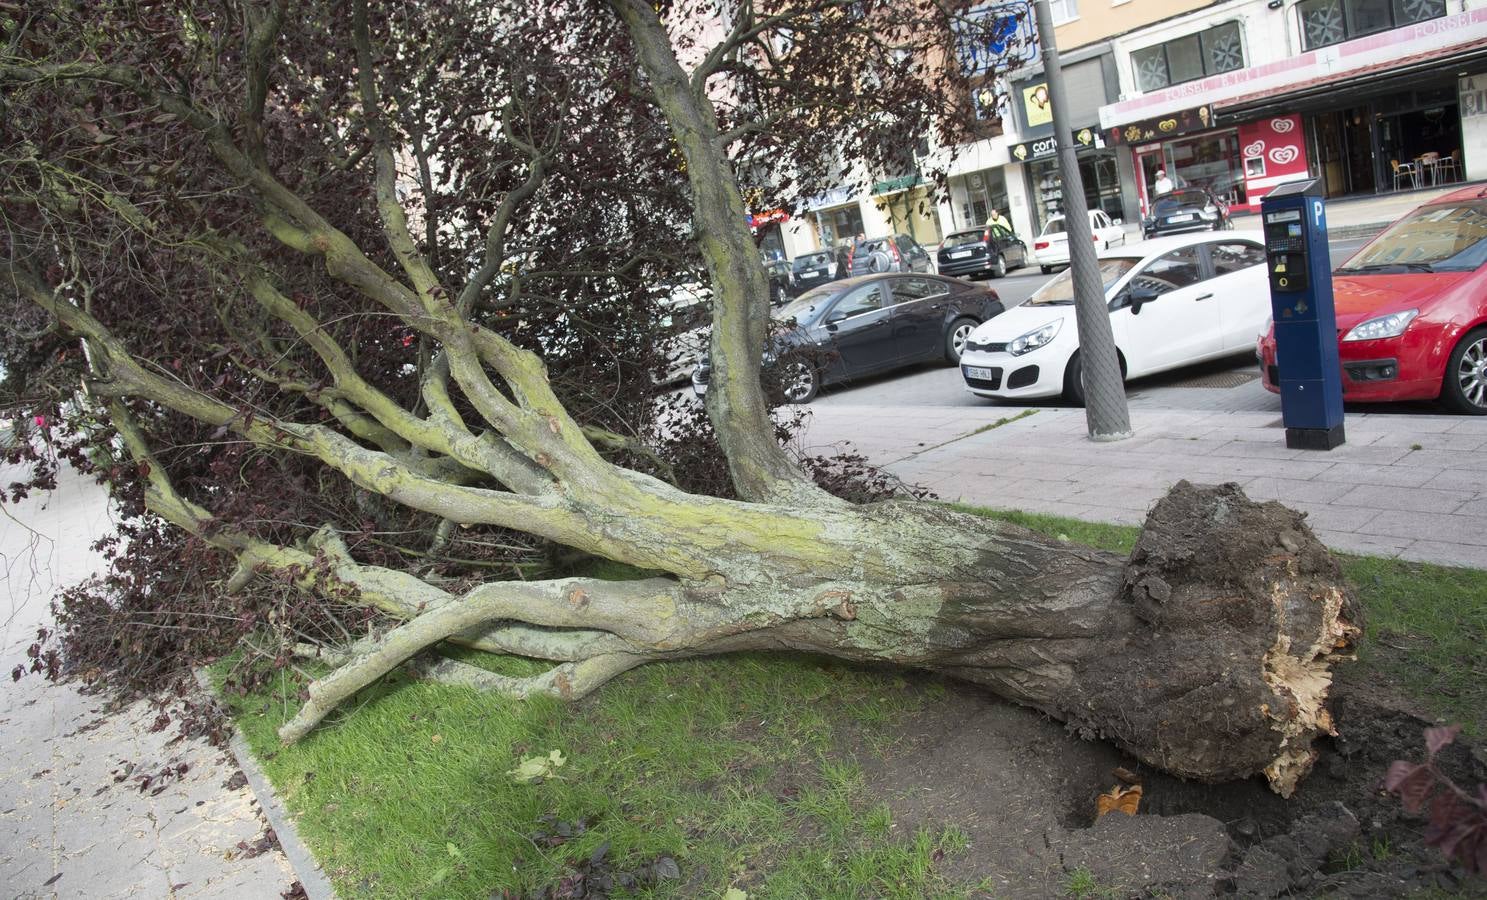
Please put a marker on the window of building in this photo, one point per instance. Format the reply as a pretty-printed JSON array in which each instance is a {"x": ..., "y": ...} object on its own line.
[
  {"x": 1217, "y": 49},
  {"x": 1326, "y": 22},
  {"x": 1063, "y": 10}
]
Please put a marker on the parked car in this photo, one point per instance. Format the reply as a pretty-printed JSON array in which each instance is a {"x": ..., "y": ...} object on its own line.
[
  {"x": 685, "y": 320},
  {"x": 1411, "y": 309},
  {"x": 818, "y": 268},
  {"x": 990, "y": 250},
  {"x": 1173, "y": 301},
  {"x": 781, "y": 285},
  {"x": 869, "y": 324},
  {"x": 1186, "y": 209},
  {"x": 898, "y": 253},
  {"x": 1051, "y": 246}
]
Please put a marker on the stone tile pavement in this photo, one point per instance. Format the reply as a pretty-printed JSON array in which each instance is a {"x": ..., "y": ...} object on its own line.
[
  {"x": 1404, "y": 485},
  {"x": 67, "y": 828}
]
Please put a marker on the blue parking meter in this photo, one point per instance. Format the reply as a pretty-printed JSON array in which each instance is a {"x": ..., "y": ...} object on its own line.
[{"x": 1309, "y": 374}]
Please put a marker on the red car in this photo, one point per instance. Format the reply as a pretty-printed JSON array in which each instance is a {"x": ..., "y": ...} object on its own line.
[{"x": 1412, "y": 309}]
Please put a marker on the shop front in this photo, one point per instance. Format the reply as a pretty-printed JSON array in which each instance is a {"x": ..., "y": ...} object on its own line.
[
  {"x": 1090, "y": 79},
  {"x": 835, "y": 217},
  {"x": 975, "y": 195},
  {"x": 768, "y": 236},
  {"x": 1371, "y": 104},
  {"x": 1098, "y": 171},
  {"x": 906, "y": 202},
  {"x": 1393, "y": 134}
]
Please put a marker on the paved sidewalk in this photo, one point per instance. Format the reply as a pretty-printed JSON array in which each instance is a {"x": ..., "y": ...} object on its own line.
[
  {"x": 1407, "y": 486},
  {"x": 67, "y": 827},
  {"x": 1365, "y": 216}
]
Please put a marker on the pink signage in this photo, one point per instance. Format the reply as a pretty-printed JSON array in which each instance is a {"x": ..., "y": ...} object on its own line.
[{"x": 1272, "y": 151}]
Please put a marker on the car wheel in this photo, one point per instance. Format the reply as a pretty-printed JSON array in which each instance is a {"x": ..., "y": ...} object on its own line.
[
  {"x": 800, "y": 381},
  {"x": 1046, "y": 269},
  {"x": 1074, "y": 381},
  {"x": 1465, "y": 384},
  {"x": 955, "y": 339},
  {"x": 999, "y": 268}
]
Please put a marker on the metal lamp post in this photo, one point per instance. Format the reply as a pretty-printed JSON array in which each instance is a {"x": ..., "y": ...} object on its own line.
[{"x": 1105, "y": 410}]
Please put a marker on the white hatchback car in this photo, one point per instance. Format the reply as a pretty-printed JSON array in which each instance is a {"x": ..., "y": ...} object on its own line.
[
  {"x": 1173, "y": 301},
  {"x": 1051, "y": 246}
]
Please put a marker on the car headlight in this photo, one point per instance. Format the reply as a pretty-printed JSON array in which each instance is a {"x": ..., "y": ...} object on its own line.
[
  {"x": 1392, "y": 325},
  {"x": 1034, "y": 339}
]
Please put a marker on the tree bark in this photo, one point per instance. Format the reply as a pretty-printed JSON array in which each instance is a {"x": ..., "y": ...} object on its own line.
[{"x": 1207, "y": 653}]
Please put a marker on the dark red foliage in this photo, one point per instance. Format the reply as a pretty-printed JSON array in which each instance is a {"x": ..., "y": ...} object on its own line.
[
  {"x": 117, "y": 198},
  {"x": 1458, "y": 817}
]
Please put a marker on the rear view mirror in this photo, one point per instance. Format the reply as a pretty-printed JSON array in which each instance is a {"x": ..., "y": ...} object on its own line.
[
  {"x": 1117, "y": 221},
  {"x": 1140, "y": 295}
]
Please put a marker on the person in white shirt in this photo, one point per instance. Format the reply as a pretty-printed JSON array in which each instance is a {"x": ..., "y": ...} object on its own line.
[{"x": 1164, "y": 184}]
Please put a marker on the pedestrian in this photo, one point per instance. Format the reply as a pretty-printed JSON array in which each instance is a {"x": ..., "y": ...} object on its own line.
[
  {"x": 997, "y": 219},
  {"x": 1164, "y": 184}
]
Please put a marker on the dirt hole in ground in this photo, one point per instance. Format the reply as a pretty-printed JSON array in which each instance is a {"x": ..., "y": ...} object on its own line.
[{"x": 1024, "y": 791}]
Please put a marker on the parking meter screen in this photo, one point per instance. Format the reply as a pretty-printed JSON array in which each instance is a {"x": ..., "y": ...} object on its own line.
[{"x": 1286, "y": 246}]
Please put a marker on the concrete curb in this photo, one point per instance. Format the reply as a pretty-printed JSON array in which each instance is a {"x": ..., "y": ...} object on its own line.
[
  {"x": 301, "y": 860},
  {"x": 1348, "y": 232}
]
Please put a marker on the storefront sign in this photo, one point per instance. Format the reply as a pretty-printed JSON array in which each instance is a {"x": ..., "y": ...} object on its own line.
[
  {"x": 901, "y": 183},
  {"x": 833, "y": 197},
  {"x": 771, "y": 217},
  {"x": 1189, "y": 120},
  {"x": 1036, "y": 106},
  {"x": 1274, "y": 152},
  {"x": 1437, "y": 38},
  {"x": 1083, "y": 139}
]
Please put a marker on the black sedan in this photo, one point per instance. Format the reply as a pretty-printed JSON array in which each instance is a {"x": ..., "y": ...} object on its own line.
[
  {"x": 987, "y": 251},
  {"x": 869, "y": 324},
  {"x": 1186, "y": 209}
]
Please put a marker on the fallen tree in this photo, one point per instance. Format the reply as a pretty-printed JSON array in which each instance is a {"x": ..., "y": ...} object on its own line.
[{"x": 231, "y": 248}]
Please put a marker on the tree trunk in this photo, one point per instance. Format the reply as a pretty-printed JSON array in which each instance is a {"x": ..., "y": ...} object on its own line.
[{"x": 1206, "y": 654}]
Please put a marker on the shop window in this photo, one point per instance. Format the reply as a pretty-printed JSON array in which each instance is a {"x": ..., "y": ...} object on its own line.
[
  {"x": 1188, "y": 58},
  {"x": 1326, "y": 22}
]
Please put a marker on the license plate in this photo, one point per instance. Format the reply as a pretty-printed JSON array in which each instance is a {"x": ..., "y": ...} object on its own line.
[
  {"x": 1184, "y": 218},
  {"x": 959, "y": 254},
  {"x": 977, "y": 372},
  {"x": 808, "y": 276}
]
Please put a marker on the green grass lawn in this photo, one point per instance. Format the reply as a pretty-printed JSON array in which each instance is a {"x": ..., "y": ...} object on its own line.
[{"x": 704, "y": 776}]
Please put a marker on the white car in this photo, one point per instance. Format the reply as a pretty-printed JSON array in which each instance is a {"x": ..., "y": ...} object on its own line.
[
  {"x": 1173, "y": 301},
  {"x": 1051, "y": 246}
]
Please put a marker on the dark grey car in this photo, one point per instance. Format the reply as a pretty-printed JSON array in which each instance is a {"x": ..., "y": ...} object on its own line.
[
  {"x": 870, "y": 324},
  {"x": 898, "y": 253},
  {"x": 818, "y": 268},
  {"x": 990, "y": 251}
]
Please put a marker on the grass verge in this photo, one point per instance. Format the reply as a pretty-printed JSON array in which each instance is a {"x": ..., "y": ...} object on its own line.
[{"x": 698, "y": 777}]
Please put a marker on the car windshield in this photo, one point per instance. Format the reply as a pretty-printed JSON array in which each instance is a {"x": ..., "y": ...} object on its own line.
[
  {"x": 811, "y": 260},
  {"x": 808, "y": 305},
  {"x": 965, "y": 237},
  {"x": 1178, "y": 199},
  {"x": 1443, "y": 237},
  {"x": 1054, "y": 226},
  {"x": 1059, "y": 291}
]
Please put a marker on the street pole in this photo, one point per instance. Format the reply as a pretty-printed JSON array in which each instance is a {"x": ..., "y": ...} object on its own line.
[{"x": 1105, "y": 411}]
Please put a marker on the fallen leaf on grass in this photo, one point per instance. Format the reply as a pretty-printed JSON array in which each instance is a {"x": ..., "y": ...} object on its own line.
[
  {"x": 1119, "y": 799},
  {"x": 535, "y": 768}
]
